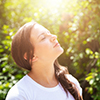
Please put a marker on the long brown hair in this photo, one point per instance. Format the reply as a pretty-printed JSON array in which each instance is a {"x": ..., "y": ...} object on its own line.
[{"x": 21, "y": 44}]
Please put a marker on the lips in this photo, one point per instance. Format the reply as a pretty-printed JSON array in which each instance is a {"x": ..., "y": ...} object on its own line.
[{"x": 57, "y": 44}]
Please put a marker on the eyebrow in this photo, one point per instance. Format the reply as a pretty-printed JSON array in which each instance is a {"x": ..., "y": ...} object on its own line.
[{"x": 40, "y": 34}]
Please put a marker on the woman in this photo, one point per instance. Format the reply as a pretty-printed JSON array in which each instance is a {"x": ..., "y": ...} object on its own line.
[{"x": 34, "y": 48}]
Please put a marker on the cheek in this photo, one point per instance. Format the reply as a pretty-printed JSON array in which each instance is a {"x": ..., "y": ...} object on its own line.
[{"x": 42, "y": 49}]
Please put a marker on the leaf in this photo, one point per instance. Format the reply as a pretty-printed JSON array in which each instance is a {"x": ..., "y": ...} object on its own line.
[{"x": 89, "y": 78}]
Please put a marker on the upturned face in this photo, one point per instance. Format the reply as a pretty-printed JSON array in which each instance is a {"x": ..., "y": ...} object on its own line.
[{"x": 46, "y": 46}]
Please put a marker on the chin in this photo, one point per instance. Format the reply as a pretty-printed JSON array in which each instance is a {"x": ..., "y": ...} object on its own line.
[{"x": 60, "y": 51}]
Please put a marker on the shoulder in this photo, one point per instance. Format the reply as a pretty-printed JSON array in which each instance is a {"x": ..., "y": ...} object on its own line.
[
  {"x": 75, "y": 81},
  {"x": 17, "y": 92},
  {"x": 72, "y": 78}
]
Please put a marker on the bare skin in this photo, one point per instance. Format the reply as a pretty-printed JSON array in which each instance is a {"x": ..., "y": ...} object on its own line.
[{"x": 46, "y": 51}]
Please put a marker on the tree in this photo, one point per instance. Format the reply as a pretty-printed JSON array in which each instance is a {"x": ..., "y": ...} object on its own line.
[{"x": 76, "y": 23}]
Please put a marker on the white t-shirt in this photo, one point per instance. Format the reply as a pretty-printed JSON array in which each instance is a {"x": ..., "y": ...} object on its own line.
[{"x": 28, "y": 89}]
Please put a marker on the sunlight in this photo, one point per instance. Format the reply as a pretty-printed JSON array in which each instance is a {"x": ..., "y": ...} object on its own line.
[
  {"x": 54, "y": 2},
  {"x": 54, "y": 5}
]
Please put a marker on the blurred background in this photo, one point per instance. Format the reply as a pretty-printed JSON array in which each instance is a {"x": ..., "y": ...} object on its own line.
[{"x": 77, "y": 25}]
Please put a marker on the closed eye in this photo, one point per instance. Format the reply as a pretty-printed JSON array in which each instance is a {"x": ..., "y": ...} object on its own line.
[
  {"x": 43, "y": 38},
  {"x": 44, "y": 35}
]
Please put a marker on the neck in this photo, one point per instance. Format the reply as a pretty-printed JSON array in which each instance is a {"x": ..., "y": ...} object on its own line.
[{"x": 44, "y": 75}]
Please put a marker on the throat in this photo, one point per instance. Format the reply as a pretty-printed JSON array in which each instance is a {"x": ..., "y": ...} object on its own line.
[
  {"x": 44, "y": 81},
  {"x": 44, "y": 75}
]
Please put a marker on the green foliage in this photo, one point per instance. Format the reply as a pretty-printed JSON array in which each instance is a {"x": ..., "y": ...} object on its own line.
[
  {"x": 8, "y": 73},
  {"x": 77, "y": 25},
  {"x": 94, "y": 80}
]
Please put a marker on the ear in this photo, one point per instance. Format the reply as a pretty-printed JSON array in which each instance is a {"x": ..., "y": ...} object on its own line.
[
  {"x": 25, "y": 56},
  {"x": 35, "y": 58}
]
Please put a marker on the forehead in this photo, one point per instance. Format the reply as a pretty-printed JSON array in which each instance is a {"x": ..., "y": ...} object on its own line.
[{"x": 38, "y": 29}]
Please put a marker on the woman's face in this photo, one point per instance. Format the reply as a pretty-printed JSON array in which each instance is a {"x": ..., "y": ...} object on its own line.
[{"x": 46, "y": 46}]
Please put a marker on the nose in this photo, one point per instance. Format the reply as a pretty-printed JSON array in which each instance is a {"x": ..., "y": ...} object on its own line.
[{"x": 53, "y": 38}]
